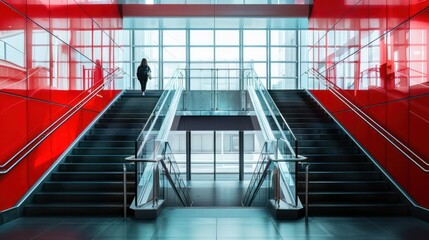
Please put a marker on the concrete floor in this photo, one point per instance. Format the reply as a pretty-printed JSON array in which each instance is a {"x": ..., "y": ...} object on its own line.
[{"x": 215, "y": 223}]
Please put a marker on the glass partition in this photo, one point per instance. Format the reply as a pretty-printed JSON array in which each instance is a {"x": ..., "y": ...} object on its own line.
[
  {"x": 278, "y": 126},
  {"x": 151, "y": 146}
]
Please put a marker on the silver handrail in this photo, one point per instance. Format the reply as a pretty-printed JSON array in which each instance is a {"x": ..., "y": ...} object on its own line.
[
  {"x": 35, "y": 142},
  {"x": 175, "y": 83},
  {"x": 371, "y": 122},
  {"x": 273, "y": 109}
]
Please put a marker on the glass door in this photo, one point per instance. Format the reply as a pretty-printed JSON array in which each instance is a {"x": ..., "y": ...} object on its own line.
[
  {"x": 227, "y": 155},
  {"x": 202, "y": 157}
]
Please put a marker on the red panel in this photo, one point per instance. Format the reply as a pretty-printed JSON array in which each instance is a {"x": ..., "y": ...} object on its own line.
[
  {"x": 39, "y": 117},
  {"x": 361, "y": 131},
  {"x": 38, "y": 42},
  {"x": 377, "y": 146},
  {"x": 346, "y": 119},
  {"x": 417, "y": 6},
  {"x": 19, "y": 5},
  {"x": 38, "y": 12},
  {"x": 378, "y": 113},
  {"x": 397, "y": 79},
  {"x": 378, "y": 18},
  {"x": 39, "y": 160},
  {"x": 397, "y": 12},
  {"x": 397, "y": 165},
  {"x": 418, "y": 185},
  {"x": 382, "y": 78},
  {"x": 44, "y": 74},
  {"x": 60, "y": 138},
  {"x": 418, "y": 52},
  {"x": 13, "y": 125},
  {"x": 397, "y": 119},
  {"x": 419, "y": 132},
  {"x": 13, "y": 185},
  {"x": 419, "y": 107},
  {"x": 219, "y": 10},
  {"x": 12, "y": 66}
]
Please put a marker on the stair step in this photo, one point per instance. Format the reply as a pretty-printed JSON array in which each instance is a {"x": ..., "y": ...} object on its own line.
[
  {"x": 336, "y": 158},
  {"x": 126, "y": 115},
  {"x": 123, "y": 120},
  {"x": 93, "y": 186},
  {"x": 340, "y": 186},
  {"x": 90, "y": 180},
  {"x": 342, "y": 180},
  {"x": 351, "y": 197},
  {"x": 338, "y": 175},
  {"x": 120, "y": 158},
  {"x": 312, "y": 125},
  {"x": 103, "y": 151},
  {"x": 81, "y": 197},
  {"x": 328, "y": 150},
  {"x": 299, "y": 131},
  {"x": 116, "y": 131},
  {"x": 380, "y": 209},
  {"x": 111, "y": 137},
  {"x": 88, "y": 176},
  {"x": 341, "y": 166},
  {"x": 105, "y": 144},
  {"x": 120, "y": 125},
  {"x": 92, "y": 167},
  {"x": 310, "y": 136},
  {"x": 314, "y": 121},
  {"x": 325, "y": 143}
]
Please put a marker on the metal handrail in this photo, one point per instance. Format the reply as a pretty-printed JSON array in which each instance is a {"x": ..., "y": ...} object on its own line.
[
  {"x": 182, "y": 194},
  {"x": 372, "y": 123},
  {"x": 271, "y": 106},
  {"x": 150, "y": 122},
  {"x": 29, "y": 147},
  {"x": 266, "y": 159},
  {"x": 176, "y": 171}
]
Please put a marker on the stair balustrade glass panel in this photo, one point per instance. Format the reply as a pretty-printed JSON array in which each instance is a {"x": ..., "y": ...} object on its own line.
[
  {"x": 147, "y": 145},
  {"x": 177, "y": 141},
  {"x": 279, "y": 126}
]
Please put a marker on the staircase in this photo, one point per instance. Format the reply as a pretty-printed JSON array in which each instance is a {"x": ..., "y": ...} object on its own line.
[
  {"x": 90, "y": 180},
  {"x": 342, "y": 180}
]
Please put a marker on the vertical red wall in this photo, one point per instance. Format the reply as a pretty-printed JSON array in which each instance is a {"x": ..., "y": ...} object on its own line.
[
  {"x": 51, "y": 53},
  {"x": 376, "y": 52}
]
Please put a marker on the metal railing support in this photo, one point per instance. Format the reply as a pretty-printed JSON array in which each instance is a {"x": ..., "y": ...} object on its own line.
[
  {"x": 124, "y": 168},
  {"x": 307, "y": 168}
]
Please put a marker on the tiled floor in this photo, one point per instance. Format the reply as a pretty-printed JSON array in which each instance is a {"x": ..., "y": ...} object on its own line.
[{"x": 203, "y": 223}]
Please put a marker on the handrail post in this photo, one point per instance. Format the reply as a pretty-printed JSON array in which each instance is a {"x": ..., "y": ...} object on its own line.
[
  {"x": 124, "y": 168},
  {"x": 307, "y": 167},
  {"x": 155, "y": 183}
]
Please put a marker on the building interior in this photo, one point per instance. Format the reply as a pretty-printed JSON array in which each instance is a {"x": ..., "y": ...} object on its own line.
[{"x": 260, "y": 119}]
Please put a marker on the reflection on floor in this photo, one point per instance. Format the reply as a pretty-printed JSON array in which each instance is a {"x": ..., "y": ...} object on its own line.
[
  {"x": 215, "y": 223},
  {"x": 217, "y": 193}
]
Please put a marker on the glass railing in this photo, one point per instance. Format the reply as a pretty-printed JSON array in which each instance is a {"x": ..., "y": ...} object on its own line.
[
  {"x": 280, "y": 151},
  {"x": 174, "y": 177},
  {"x": 154, "y": 128},
  {"x": 279, "y": 127},
  {"x": 153, "y": 153},
  {"x": 274, "y": 164},
  {"x": 258, "y": 175}
]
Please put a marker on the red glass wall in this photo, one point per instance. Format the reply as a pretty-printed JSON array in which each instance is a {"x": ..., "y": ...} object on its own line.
[
  {"x": 376, "y": 52},
  {"x": 51, "y": 54}
]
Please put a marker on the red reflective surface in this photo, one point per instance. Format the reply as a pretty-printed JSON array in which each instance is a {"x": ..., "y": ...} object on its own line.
[
  {"x": 52, "y": 54},
  {"x": 376, "y": 53}
]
